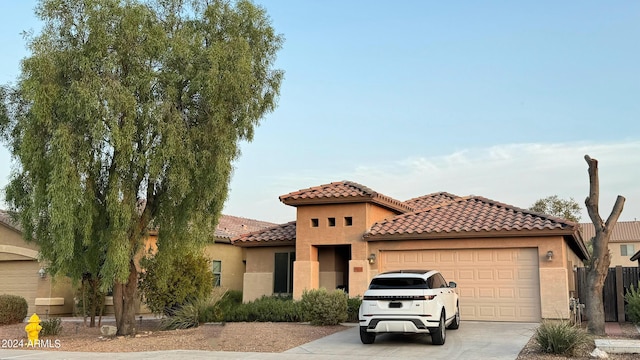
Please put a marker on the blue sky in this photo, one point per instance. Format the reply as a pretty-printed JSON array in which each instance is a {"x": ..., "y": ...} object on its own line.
[{"x": 495, "y": 98}]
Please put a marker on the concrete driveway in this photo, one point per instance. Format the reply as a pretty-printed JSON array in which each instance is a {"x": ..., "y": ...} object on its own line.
[{"x": 474, "y": 340}]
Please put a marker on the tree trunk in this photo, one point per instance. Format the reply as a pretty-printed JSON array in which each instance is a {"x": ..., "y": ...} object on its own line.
[
  {"x": 94, "y": 302},
  {"x": 600, "y": 259},
  {"x": 124, "y": 296}
]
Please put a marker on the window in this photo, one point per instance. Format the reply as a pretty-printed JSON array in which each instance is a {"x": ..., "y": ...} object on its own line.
[
  {"x": 348, "y": 221},
  {"x": 283, "y": 273},
  {"x": 627, "y": 250},
  {"x": 217, "y": 272},
  {"x": 314, "y": 222},
  {"x": 332, "y": 221}
]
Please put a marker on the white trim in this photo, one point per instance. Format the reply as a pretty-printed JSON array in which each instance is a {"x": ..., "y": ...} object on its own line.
[
  {"x": 33, "y": 254},
  {"x": 49, "y": 301}
]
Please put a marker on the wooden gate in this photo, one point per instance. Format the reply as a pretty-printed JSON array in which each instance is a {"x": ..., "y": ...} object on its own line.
[{"x": 618, "y": 280}]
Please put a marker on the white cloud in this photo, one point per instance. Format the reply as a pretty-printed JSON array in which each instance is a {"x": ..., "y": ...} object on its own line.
[{"x": 517, "y": 174}]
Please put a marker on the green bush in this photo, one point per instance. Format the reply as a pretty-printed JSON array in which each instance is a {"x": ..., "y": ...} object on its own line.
[
  {"x": 170, "y": 283},
  {"x": 633, "y": 303},
  {"x": 322, "y": 307},
  {"x": 52, "y": 326},
  {"x": 265, "y": 309},
  {"x": 353, "y": 306},
  {"x": 13, "y": 309},
  {"x": 560, "y": 337}
]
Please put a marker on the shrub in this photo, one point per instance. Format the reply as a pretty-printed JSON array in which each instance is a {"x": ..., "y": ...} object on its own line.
[
  {"x": 560, "y": 337},
  {"x": 52, "y": 326},
  {"x": 322, "y": 307},
  {"x": 353, "y": 306},
  {"x": 185, "y": 317},
  {"x": 264, "y": 309},
  {"x": 633, "y": 303},
  {"x": 170, "y": 283},
  {"x": 13, "y": 309}
]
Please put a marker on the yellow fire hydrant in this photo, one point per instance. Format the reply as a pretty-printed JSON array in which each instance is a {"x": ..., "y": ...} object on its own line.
[{"x": 33, "y": 328}]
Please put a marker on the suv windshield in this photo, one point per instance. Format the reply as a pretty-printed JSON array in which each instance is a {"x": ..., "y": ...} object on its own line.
[{"x": 398, "y": 283}]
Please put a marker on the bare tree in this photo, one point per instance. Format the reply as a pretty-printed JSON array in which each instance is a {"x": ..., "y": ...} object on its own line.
[{"x": 598, "y": 265}]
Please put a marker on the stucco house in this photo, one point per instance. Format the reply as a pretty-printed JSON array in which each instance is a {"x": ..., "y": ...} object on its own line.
[
  {"x": 20, "y": 271},
  {"x": 22, "y": 274},
  {"x": 510, "y": 264},
  {"x": 623, "y": 243}
]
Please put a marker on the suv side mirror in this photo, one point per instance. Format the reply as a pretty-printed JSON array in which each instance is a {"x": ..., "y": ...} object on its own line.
[{"x": 452, "y": 284}]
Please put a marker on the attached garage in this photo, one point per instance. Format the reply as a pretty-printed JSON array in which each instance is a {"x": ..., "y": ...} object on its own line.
[
  {"x": 14, "y": 280},
  {"x": 493, "y": 284}
]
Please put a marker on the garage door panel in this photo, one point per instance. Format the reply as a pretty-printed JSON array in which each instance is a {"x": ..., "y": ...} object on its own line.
[
  {"x": 493, "y": 284},
  {"x": 15, "y": 280}
]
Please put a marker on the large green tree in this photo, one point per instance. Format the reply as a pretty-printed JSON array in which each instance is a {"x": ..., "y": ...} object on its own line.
[
  {"x": 555, "y": 206},
  {"x": 128, "y": 115}
]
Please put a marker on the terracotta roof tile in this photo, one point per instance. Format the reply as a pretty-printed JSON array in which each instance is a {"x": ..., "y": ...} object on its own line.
[
  {"x": 466, "y": 215},
  {"x": 426, "y": 201},
  {"x": 5, "y": 218},
  {"x": 284, "y": 234},
  {"x": 342, "y": 192},
  {"x": 233, "y": 226},
  {"x": 624, "y": 231}
]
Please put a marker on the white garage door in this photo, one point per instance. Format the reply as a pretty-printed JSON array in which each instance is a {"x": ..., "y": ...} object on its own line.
[
  {"x": 20, "y": 278},
  {"x": 493, "y": 284}
]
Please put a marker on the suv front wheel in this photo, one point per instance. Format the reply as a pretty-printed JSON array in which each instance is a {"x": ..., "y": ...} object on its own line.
[
  {"x": 366, "y": 337},
  {"x": 438, "y": 335}
]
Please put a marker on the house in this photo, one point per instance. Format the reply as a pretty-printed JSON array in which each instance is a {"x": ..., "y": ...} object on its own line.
[
  {"x": 22, "y": 274},
  {"x": 623, "y": 243},
  {"x": 20, "y": 271},
  {"x": 510, "y": 264}
]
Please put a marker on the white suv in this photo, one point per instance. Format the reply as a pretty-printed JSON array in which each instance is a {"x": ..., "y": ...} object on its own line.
[{"x": 409, "y": 301}]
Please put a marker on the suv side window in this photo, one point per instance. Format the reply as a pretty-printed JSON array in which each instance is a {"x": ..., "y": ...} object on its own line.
[{"x": 437, "y": 281}]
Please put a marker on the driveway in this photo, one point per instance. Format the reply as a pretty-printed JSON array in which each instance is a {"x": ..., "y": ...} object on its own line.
[{"x": 474, "y": 340}]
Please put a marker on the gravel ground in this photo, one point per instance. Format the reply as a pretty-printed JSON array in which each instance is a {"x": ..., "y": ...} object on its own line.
[{"x": 249, "y": 337}]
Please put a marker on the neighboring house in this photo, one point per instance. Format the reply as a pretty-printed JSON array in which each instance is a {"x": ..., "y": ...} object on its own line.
[
  {"x": 20, "y": 269},
  {"x": 623, "y": 243},
  {"x": 21, "y": 273},
  {"x": 510, "y": 264},
  {"x": 636, "y": 257}
]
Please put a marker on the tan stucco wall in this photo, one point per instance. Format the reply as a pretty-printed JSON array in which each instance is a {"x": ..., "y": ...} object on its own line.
[
  {"x": 232, "y": 270},
  {"x": 619, "y": 260},
  {"x": 308, "y": 274},
  {"x": 57, "y": 295},
  {"x": 258, "y": 278}
]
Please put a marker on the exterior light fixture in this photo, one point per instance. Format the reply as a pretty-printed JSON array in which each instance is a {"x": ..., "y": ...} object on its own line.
[
  {"x": 42, "y": 273},
  {"x": 372, "y": 258},
  {"x": 549, "y": 255}
]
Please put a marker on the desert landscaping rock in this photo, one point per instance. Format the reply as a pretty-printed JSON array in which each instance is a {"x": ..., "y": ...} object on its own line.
[{"x": 108, "y": 330}]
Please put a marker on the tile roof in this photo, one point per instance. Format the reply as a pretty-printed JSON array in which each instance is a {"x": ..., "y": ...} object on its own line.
[
  {"x": 624, "y": 231},
  {"x": 5, "y": 218},
  {"x": 284, "y": 234},
  {"x": 342, "y": 192},
  {"x": 430, "y": 200},
  {"x": 232, "y": 226},
  {"x": 466, "y": 216}
]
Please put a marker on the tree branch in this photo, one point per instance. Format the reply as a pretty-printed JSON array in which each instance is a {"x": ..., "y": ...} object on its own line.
[
  {"x": 615, "y": 212},
  {"x": 591, "y": 202}
]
